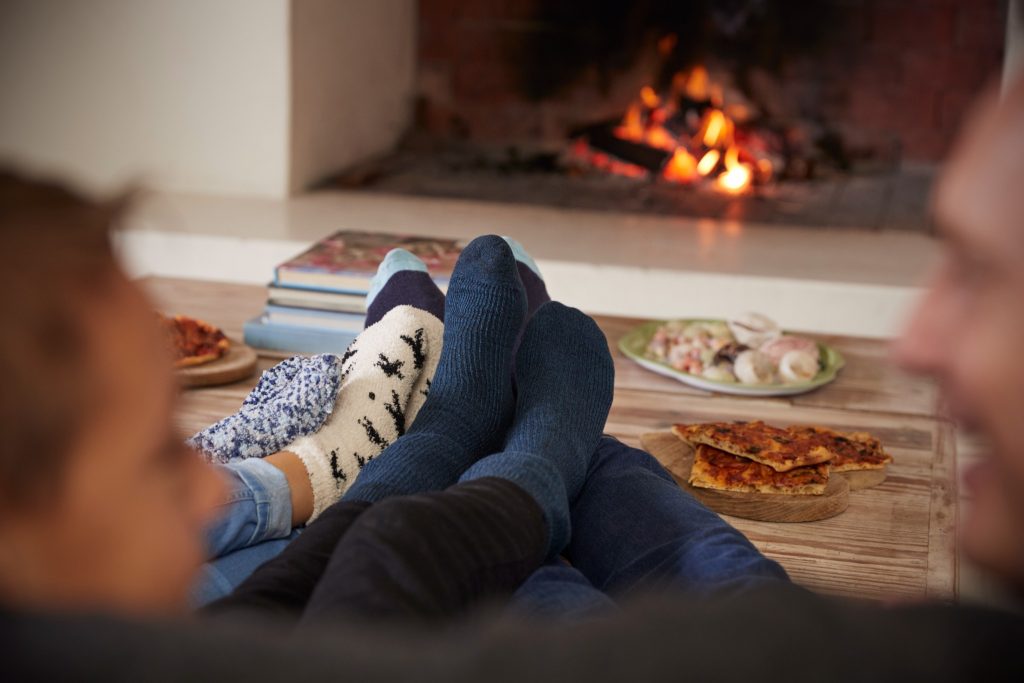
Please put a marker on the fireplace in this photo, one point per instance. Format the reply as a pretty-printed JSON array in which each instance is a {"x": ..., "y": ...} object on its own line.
[{"x": 825, "y": 113}]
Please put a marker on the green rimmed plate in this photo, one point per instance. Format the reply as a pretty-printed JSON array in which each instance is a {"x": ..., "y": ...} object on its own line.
[{"x": 634, "y": 343}]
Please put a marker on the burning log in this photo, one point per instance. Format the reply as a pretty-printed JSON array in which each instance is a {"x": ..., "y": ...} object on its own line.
[{"x": 652, "y": 159}]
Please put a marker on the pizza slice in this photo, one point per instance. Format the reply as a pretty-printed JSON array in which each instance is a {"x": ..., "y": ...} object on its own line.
[
  {"x": 194, "y": 342},
  {"x": 780, "y": 449},
  {"x": 853, "y": 450},
  {"x": 716, "y": 469}
]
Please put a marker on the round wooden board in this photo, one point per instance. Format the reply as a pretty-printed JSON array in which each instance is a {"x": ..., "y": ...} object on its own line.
[
  {"x": 863, "y": 479},
  {"x": 677, "y": 457},
  {"x": 238, "y": 363}
]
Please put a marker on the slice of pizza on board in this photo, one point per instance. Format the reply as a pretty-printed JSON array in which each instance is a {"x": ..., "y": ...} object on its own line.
[
  {"x": 777, "y": 448},
  {"x": 716, "y": 469}
]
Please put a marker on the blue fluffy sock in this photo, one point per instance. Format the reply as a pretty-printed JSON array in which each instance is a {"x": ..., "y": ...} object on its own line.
[
  {"x": 470, "y": 402},
  {"x": 565, "y": 377}
]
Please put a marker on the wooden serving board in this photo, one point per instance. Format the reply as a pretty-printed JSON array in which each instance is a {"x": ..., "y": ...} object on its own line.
[
  {"x": 237, "y": 364},
  {"x": 677, "y": 456}
]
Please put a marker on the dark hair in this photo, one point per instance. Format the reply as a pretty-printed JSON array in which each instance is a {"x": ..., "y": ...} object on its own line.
[{"x": 54, "y": 253}]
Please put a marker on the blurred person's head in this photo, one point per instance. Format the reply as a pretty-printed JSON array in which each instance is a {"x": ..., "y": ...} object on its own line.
[
  {"x": 101, "y": 504},
  {"x": 969, "y": 329}
]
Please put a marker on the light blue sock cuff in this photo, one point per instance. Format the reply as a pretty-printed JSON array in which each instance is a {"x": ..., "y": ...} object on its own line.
[
  {"x": 541, "y": 480},
  {"x": 394, "y": 261},
  {"x": 522, "y": 255}
]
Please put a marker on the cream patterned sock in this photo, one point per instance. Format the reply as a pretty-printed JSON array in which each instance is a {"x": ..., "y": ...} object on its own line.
[{"x": 386, "y": 375}]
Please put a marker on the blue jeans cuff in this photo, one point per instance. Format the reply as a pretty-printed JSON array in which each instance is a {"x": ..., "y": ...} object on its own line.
[{"x": 270, "y": 494}]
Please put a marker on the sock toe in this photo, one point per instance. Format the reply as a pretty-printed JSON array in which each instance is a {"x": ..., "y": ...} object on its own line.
[
  {"x": 394, "y": 261},
  {"x": 487, "y": 256}
]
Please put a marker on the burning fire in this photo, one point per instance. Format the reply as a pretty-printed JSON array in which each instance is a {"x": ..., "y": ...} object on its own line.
[{"x": 690, "y": 122}]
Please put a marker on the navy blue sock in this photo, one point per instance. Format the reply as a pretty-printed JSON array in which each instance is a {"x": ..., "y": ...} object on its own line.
[
  {"x": 529, "y": 273},
  {"x": 402, "y": 280},
  {"x": 536, "y": 291},
  {"x": 407, "y": 288},
  {"x": 565, "y": 377},
  {"x": 470, "y": 403}
]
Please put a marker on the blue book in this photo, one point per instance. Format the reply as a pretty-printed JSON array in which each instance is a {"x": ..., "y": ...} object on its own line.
[
  {"x": 315, "y": 318},
  {"x": 261, "y": 334}
]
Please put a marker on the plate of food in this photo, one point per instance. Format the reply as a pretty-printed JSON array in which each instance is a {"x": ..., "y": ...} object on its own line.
[
  {"x": 799, "y": 473},
  {"x": 203, "y": 355},
  {"x": 747, "y": 356}
]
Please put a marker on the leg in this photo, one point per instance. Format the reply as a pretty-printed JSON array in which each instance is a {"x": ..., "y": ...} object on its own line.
[
  {"x": 558, "y": 591},
  {"x": 219, "y": 577},
  {"x": 256, "y": 522},
  {"x": 385, "y": 373},
  {"x": 258, "y": 507},
  {"x": 470, "y": 401},
  {"x": 433, "y": 554},
  {"x": 282, "y": 584},
  {"x": 633, "y": 527},
  {"x": 564, "y": 376}
]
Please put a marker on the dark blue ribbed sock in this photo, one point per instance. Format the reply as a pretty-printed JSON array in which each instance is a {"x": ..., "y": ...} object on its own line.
[
  {"x": 470, "y": 403},
  {"x": 529, "y": 273},
  {"x": 402, "y": 280},
  {"x": 565, "y": 376}
]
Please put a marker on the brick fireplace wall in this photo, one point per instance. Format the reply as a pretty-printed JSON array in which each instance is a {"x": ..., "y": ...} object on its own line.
[{"x": 903, "y": 74}]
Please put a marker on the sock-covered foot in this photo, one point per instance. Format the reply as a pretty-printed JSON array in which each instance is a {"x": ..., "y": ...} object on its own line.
[
  {"x": 565, "y": 376},
  {"x": 470, "y": 402},
  {"x": 291, "y": 399},
  {"x": 384, "y": 375},
  {"x": 529, "y": 274},
  {"x": 402, "y": 280}
]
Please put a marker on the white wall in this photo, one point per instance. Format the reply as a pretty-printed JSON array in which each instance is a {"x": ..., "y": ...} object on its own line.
[
  {"x": 353, "y": 71},
  {"x": 188, "y": 95},
  {"x": 249, "y": 97}
]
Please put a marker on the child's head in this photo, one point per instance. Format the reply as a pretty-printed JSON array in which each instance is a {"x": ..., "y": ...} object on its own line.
[{"x": 101, "y": 504}]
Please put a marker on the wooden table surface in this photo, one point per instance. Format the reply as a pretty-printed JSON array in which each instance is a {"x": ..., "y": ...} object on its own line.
[{"x": 894, "y": 541}]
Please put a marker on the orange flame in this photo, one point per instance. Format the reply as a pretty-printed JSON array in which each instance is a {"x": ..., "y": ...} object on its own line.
[
  {"x": 660, "y": 138},
  {"x": 656, "y": 120},
  {"x": 737, "y": 175},
  {"x": 649, "y": 97},
  {"x": 717, "y": 129},
  {"x": 632, "y": 127},
  {"x": 697, "y": 84},
  {"x": 708, "y": 162},
  {"x": 682, "y": 167}
]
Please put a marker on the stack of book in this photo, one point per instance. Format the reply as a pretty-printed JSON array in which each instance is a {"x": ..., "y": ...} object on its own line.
[{"x": 317, "y": 300}]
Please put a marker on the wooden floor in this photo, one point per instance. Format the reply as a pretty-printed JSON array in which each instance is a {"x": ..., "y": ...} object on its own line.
[{"x": 894, "y": 541}]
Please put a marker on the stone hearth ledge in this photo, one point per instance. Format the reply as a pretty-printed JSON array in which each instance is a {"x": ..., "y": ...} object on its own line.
[{"x": 830, "y": 281}]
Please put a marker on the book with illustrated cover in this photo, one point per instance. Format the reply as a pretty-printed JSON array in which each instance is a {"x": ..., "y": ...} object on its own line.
[{"x": 347, "y": 260}]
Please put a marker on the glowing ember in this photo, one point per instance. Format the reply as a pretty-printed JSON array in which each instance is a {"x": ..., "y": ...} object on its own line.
[
  {"x": 714, "y": 126},
  {"x": 708, "y": 162},
  {"x": 694, "y": 123},
  {"x": 737, "y": 176},
  {"x": 682, "y": 167},
  {"x": 649, "y": 97}
]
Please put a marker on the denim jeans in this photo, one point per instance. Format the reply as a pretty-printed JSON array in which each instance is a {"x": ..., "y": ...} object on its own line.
[
  {"x": 255, "y": 524},
  {"x": 633, "y": 529}
]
